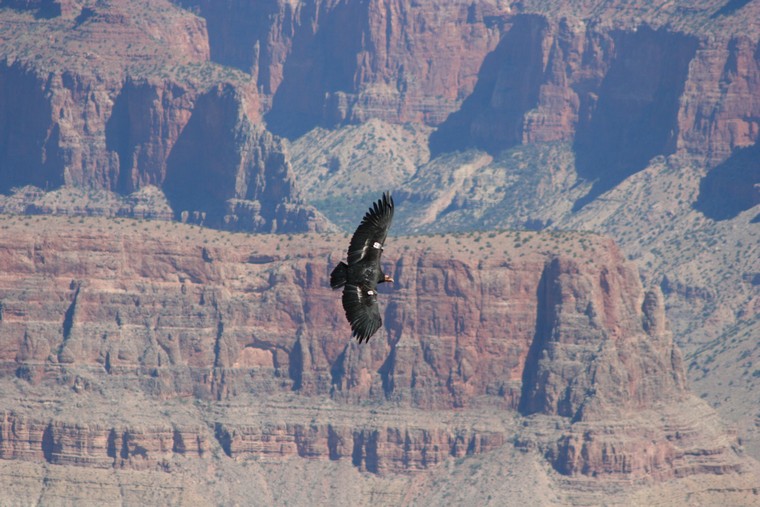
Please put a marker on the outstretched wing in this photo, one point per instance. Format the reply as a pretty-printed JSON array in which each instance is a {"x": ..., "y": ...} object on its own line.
[
  {"x": 360, "y": 304},
  {"x": 367, "y": 242}
]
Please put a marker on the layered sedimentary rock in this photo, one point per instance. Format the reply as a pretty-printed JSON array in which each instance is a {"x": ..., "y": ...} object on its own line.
[
  {"x": 572, "y": 355},
  {"x": 675, "y": 443},
  {"x": 140, "y": 106},
  {"x": 154, "y": 314},
  {"x": 352, "y": 61},
  {"x": 513, "y": 74},
  {"x": 624, "y": 84},
  {"x": 98, "y": 95},
  {"x": 377, "y": 449},
  {"x": 93, "y": 445},
  {"x": 544, "y": 347}
]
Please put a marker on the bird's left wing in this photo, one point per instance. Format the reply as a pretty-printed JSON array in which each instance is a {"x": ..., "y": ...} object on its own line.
[
  {"x": 360, "y": 304},
  {"x": 367, "y": 242}
]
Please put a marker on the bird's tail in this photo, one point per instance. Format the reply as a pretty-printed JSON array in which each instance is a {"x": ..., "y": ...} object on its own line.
[{"x": 338, "y": 276}]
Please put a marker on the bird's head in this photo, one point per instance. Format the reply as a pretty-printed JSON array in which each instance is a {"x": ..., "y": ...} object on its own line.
[{"x": 387, "y": 278}]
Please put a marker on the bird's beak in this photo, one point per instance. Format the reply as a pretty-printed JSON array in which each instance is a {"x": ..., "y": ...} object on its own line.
[{"x": 388, "y": 279}]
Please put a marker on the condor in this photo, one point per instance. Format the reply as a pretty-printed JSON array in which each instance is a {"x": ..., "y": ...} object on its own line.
[{"x": 359, "y": 278}]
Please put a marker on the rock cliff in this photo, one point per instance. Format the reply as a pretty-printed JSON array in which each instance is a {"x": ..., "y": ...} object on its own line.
[
  {"x": 97, "y": 95},
  {"x": 621, "y": 96},
  {"x": 139, "y": 105},
  {"x": 622, "y": 84},
  {"x": 686, "y": 73},
  {"x": 182, "y": 343},
  {"x": 628, "y": 118},
  {"x": 393, "y": 60}
]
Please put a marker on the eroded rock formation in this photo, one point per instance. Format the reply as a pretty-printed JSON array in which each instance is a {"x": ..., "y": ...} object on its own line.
[
  {"x": 622, "y": 85},
  {"x": 248, "y": 326},
  {"x": 108, "y": 118}
]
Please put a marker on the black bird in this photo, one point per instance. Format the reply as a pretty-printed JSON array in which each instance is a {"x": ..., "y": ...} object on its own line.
[{"x": 359, "y": 278}]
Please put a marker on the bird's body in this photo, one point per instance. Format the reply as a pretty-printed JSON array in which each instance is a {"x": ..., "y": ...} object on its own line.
[{"x": 360, "y": 276}]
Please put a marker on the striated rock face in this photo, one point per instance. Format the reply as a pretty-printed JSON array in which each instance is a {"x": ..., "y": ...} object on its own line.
[
  {"x": 109, "y": 121},
  {"x": 251, "y": 306},
  {"x": 585, "y": 358},
  {"x": 377, "y": 450},
  {"x": 92, "y": 445},
  {"x": 156, "y": 345},
  {"x": 720, "y": 106},
  {"x": 105, "y": 103},
  {"x": 81, "y": 66},
  {"x": 643, "y": 447},
  {"x": 232, "y": 172},
  {"x": 380, "y": 450},
  {"x": 621, "y": 94},
  {"x": 530, "y": 74},
  {"x": 154, "y": 314},
  {"x": 394, "y": 60},
  {"x": 25, "y": 125},
  {"x": 613, "y": 93},
  {"x": 624, "y": 83}
]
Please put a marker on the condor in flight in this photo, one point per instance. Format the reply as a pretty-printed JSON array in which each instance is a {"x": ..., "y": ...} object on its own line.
[{"x": 359, "y": 278}]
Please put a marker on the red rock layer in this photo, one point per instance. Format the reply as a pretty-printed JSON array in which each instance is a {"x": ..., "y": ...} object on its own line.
[
  {"x": 516, "y": 77},
  {"x": 375, "y": 449},
  {"x": 117, "y": 115},
  {"x": 93, "y": 445},
  {"x": 144, "y": 308},
  {"x": 351, "y": 61},
  {"x": 107, "y": 102},
  {"x": 456, "y": 328}
]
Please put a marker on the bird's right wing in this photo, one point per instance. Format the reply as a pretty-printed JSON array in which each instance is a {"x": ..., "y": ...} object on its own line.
[
  {"x": 360, "y": 304},
  {"x": 367, "y": 242}
]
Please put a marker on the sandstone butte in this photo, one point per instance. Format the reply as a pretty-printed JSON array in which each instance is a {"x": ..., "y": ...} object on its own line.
[{"x": 140, "y": 353}]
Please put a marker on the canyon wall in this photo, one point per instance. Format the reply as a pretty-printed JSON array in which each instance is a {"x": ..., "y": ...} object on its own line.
[
  {"x": 120, "y": 121},
  {"x": 623, "y": 84},
  {"x": 455, "y": 330},
  {"x": 137, "y": 346},
  {"x": 153, "y": 314},
  {"x": 98, "y": 96},
  {"x": 511, "y": 74},
  {"x": 333, "y": 62}
]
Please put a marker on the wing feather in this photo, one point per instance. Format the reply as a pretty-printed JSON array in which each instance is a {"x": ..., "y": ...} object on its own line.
[
  {"x": 369, "y": 238},
  {"x": 362, "y": 311}
]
